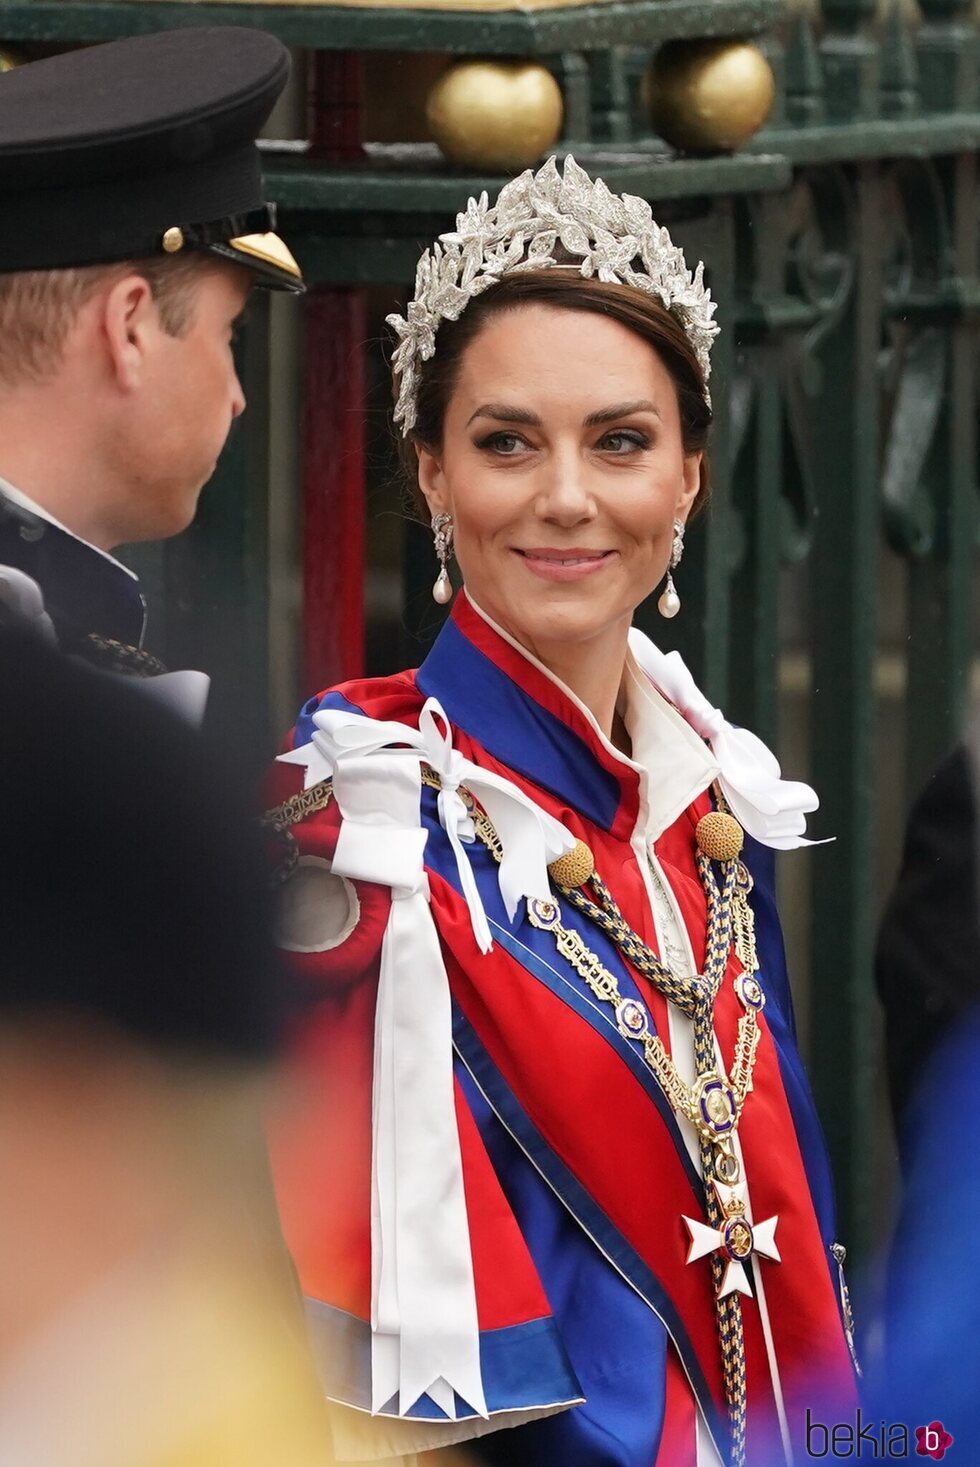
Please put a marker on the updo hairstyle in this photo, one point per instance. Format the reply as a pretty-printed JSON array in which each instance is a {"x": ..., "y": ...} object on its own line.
[{"x": 639, "y": 312}]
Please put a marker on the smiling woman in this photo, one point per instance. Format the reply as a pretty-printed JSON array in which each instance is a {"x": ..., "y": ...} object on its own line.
[
  {"x": 562, "y": 1171},
  {"x": 554, "y": 437}
]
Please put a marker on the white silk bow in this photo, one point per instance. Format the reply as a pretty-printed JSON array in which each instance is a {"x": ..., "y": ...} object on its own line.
[
  {"x": 424, "y": 1330},
  {"x": 771, "y": 809}
]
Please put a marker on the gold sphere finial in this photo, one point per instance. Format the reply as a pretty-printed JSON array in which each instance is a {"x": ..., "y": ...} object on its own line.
[
  {"x": 499, "y": 116},
  {"x": 719, "y": 836},
  {"x": 708, "y": 96},
  {"x": 574, "y": 868}
]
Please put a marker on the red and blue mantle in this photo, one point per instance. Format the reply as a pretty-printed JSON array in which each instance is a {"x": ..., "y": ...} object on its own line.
[{"x": 575, "y": 1171}]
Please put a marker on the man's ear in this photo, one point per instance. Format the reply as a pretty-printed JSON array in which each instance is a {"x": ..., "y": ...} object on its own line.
[
  {"x": 432, "y": 481},
  {"x": 130, "y": 320}
]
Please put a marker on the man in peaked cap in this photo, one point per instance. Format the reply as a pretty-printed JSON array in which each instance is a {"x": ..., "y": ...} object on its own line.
[{"x": 133, "y": 227}]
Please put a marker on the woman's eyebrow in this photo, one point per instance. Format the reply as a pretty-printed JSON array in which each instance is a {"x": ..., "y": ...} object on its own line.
[
  {"x": 504, "y": 414},
  {"x": 620, "y": 410}
]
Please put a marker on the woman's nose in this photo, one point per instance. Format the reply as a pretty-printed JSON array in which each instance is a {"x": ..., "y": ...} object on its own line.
[{"x": 565, "y": 496}]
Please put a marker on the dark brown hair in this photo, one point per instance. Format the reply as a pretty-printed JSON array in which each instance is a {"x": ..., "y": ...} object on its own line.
[{"x": 638, "y": 312}]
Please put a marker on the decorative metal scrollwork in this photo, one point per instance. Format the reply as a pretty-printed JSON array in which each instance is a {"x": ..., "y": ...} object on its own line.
[
  {"x": 914, "y": 356},
  {"x": 800, "y": 252}
]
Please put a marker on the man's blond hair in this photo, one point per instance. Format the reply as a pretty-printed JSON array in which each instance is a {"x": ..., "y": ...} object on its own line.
[{"x": 39, "y": 307}]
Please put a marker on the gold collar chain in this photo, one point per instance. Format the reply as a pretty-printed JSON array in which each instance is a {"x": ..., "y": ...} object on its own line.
[{"x": 713, "y": 1105}]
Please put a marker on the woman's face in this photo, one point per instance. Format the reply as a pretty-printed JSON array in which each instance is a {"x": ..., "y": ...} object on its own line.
[{"x": 563, "y": 469}]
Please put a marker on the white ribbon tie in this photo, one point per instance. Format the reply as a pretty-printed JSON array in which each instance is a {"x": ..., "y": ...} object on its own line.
[{"x": 424, "y": 1329}]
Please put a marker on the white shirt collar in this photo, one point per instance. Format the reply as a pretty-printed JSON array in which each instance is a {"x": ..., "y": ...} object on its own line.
[{"x": 675, "y": 762}]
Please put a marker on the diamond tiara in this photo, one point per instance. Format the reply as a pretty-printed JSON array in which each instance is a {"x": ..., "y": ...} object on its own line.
[{"x": 534, "y": 215}]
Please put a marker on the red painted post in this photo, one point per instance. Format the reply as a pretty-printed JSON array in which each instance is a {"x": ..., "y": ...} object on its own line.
[
  {"x": 336, "y": 106},
  {"x": 334, "y": 461},
  {"x": 333, "y": 532}
]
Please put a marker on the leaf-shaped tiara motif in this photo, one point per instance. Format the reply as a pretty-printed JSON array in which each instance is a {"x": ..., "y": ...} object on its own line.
[{"x": 615, "y": 236}]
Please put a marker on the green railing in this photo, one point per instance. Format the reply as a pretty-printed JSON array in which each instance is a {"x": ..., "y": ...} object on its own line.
[{"x": 827, "y": 597}]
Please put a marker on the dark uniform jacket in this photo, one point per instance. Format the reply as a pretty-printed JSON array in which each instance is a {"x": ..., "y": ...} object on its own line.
[
  {"x": 87, "y": 594},
  {"x": 927, "y": 946}
]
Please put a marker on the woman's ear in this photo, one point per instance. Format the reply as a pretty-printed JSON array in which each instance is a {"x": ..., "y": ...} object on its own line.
[
  {"x": 432, "y": 480},
  {"x": 690, "y": 485}
]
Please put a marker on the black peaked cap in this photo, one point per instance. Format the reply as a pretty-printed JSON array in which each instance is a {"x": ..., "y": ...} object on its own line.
[
  {"x": 142, "y": 147},
  {"x": 133, "y": 886}
]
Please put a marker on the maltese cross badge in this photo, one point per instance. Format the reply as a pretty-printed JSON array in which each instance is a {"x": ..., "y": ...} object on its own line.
[{"x": 737, "y": 1239}]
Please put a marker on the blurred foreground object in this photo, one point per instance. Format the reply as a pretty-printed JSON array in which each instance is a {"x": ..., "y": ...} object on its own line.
[
  {"x": 132, "y": 888},
  {"x": 926, "y": 972},
  {"x": 932, "y": 1339},
  {"x": 147, "y": 1312}
]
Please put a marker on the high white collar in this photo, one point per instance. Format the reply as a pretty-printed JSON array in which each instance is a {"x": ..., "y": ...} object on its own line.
[
  {"x": 681, "y": 743},
  {"x": 675, "y": 764}
]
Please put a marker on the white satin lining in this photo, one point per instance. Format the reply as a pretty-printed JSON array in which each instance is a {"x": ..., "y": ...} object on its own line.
[{"x": 770, "y": 808}]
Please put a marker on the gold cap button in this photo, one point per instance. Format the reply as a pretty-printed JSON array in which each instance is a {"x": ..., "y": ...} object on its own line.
[{"x": 173, "y": 240}]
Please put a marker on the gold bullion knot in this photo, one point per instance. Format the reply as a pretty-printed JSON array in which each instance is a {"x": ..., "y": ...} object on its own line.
[
  {"x": 574, "y": 868},
  {"x": 719, "y": 836}
]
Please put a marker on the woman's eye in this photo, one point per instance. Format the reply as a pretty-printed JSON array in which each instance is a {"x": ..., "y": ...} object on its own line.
[
  {"x": 506, "y": 444},
  {"x": 624, "y": 441}
]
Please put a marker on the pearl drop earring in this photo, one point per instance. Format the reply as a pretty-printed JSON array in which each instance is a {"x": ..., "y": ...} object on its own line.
[
  {"x": 442, "y": 534},
  {"x": 670, "y": 603}
]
